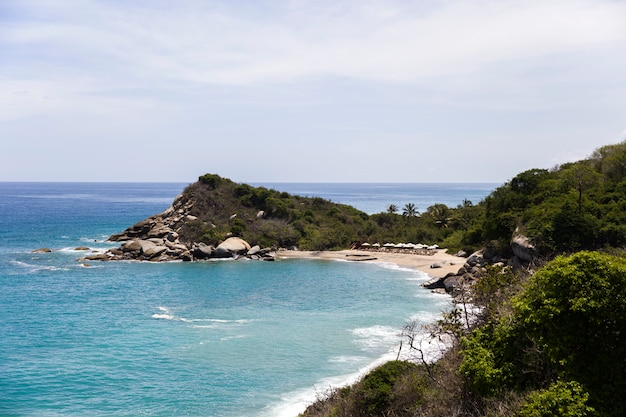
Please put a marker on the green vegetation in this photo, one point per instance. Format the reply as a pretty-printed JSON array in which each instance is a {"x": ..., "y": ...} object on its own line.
[
  {"x": 576, "y": 206},
  {"x": 552, "y": 345},
  {"x": 549, "y": 342},
  {"x": 268, "y": 217}
]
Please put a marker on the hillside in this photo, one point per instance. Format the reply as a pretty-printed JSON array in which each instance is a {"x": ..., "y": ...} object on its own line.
[
  {"x": 575, "y": 206},
  {"x": 544, "y": 339}
]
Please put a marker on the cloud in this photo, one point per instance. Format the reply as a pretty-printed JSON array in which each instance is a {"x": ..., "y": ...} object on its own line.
[
  {"x": 384, "y": 41},
  {"x": 474, "y": 77}
]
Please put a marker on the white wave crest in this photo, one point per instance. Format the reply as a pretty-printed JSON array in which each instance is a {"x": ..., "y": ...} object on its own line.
[
  {"x": 31, "y": 268},
  {"x": 166, "y": 314},
  {"x": 376, "y": 337}
]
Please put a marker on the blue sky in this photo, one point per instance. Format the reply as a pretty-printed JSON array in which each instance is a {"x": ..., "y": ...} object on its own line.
[{"x": 312, "y": 91}]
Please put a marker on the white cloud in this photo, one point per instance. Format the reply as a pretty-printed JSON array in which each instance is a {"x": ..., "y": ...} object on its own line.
[
  {"x": 477, "y": 77},
  {"x": 385, "y": 41}
]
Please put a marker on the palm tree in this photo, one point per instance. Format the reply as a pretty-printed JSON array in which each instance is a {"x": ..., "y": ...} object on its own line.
[
  {"x": 441, "y": 214},
  {"x": 410, "y": 210},
  {"x": 392, "y": 208}
]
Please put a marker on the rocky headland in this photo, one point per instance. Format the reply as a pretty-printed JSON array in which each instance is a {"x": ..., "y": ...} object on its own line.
[{"x": 158, "y": 239}]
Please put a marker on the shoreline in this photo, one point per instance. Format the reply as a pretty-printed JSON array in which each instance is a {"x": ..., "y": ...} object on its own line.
[
  {"x": 296, "y": 402},
  {"x": 445, "y": 262}
]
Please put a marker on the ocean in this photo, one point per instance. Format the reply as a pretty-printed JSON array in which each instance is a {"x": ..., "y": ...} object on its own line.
[{"x": 217, "y": 338}]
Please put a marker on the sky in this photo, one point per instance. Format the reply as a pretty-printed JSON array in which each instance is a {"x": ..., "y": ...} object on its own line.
[{"x": 307, "y": 91}]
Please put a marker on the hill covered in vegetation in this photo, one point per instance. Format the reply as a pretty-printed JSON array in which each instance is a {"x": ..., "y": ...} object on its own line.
[
  {"x": 545, "y": 340},
  {"x": 575, "y": 206}
]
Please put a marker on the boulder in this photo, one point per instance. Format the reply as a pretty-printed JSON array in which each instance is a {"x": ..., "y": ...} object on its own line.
[
  {"x": 98, "y": 257},
  {"x": 152, "y": 251},
  {"x": 452, "y": 283},
  {"x": 159, "y": 231},
  {"x": 131, "y": 245},
  {"x": 523, "y": 248},
  {"x": 254, "y": 250},
  {"x": 42, "y": 250},
  {"x": 435, "y": 283},
  {"x": 203, "y": 251},
  {"x": 233, "y": 245}
]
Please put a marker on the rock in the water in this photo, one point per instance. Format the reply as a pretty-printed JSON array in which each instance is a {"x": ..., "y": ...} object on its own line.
[
  {"x": 254, "y": 250},
  {"x": 203, "y": 251},
  {"x": 42, "y": 250}
]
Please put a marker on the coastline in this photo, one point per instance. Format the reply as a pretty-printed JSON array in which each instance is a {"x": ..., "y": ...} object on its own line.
[
  {"x": 446, "y": 263},
  {"x": 295, "y": 403}
]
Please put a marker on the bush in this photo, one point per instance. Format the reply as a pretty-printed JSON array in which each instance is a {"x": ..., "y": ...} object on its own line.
[
  {"x": 562, "y": 399},
  {"x": 574, "y": 309},
  {"x": 211, "y": 180},
  {"x": 376, "y": 389}
]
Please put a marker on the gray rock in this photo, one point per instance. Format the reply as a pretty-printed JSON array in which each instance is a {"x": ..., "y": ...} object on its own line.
[
  {"x": 254, "y": 250},
  {"x": 233, "y": 245},
  {"x": 523, "y": 248},
  {"x": 435, "y": 283},
  {"x": 452, "y": 283},
  {"x": 153, "y": 251},
  {"x": 131, "y": 245},
  {"x": 98, "y": 257},
  {"x": 42, "y": 250},
  {"x": 203, "y": 251}
]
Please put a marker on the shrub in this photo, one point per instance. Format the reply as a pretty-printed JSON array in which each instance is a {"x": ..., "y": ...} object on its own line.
[
  {"x": 574, "y": 308},
  {"x": 211, "y": 180},
  {"x": 562, "y": 399},
  {"x": 376, "y": 389}
]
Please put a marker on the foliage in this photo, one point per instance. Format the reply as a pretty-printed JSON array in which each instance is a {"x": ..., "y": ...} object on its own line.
[
  {"x": 551, "y": 344},
  {"x": 575, "y": 310},
  {"x": 561, "y": 399},
  {"x": 375, "y": 391},
  {"x": 410, "y": 210},
  {"x": 567, "y": 324},
  {"x": 576, "y": 206},
  {"x": 211, "y": 180},
  {"x": 268, "y": 217},
  {"x": 548, "y": 344}
]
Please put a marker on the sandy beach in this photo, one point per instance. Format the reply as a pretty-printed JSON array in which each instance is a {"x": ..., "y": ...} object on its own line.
[{"x": 448, "y": 263}]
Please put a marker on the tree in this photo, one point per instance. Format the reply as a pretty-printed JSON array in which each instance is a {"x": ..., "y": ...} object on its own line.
[
  {"x": 582, "y": 177},
  {"x": 392, "y": 208},
  {"x": 441, "y": 214},
  {"x": 574, "y": 308},
  {"x": 562, "y": 399},
  {"x": 611, "y": 160},
  {"x": 410, "y": 210}
]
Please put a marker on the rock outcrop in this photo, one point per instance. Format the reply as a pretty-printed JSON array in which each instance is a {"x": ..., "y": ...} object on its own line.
[
  {"x": 522, "y": 248},
  {"x": 157, "y": 239},
  {"x": 475, "y": 267}
]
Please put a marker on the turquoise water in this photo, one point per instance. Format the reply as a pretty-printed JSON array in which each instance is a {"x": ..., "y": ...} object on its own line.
[{"x": 227, "y": 338}]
